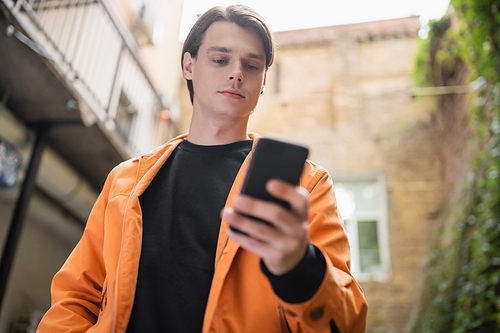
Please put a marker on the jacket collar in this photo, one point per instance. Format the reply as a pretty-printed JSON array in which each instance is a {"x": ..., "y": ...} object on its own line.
[{"x": 151, "y": 163}]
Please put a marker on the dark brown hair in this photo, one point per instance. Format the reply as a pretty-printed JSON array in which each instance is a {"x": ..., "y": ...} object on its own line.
[{"x": 241, "y": 15}]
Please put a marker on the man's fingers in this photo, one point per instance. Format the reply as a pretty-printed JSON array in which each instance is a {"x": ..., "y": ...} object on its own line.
[
  {"x": 255, "y": 229},
  {"x": 274, "y": 214},
  {"x": 249, "y": 243},
  {"x": 295, "y": 196},
  {"x": 262, "y": 231},
  {"x": 282, "y": 242},
  {"x": 274, "y": 252}
]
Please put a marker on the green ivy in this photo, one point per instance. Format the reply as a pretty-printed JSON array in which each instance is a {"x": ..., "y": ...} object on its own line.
[
  {"x": 463, "y": 284},
  {"x": 423, "y": 74}
]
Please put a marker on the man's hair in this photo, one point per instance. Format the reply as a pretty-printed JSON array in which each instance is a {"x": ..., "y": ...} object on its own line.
[{"x": 241, "y": 15}]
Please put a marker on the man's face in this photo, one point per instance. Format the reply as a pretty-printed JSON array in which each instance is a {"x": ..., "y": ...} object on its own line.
[{"x": 228, "y": 72}]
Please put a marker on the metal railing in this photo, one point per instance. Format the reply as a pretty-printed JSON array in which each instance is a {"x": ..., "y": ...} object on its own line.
[{"x": 94, "y": 52}]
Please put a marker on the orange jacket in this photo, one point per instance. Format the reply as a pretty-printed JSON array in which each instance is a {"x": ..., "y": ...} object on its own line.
[{"x": 94, "y": 290}]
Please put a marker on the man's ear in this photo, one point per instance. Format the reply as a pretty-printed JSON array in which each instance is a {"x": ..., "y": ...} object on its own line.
[{"x": 187, "y": 66}]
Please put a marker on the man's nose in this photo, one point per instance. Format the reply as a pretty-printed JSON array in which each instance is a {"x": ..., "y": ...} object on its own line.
[{"x": 236, "y": 74}]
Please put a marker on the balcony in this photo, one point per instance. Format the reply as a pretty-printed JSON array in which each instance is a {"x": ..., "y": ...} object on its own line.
[{"x": 73, "y": 64}]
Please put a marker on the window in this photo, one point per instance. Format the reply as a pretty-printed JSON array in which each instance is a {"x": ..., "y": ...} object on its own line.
[{"x": 363, "y": 206}]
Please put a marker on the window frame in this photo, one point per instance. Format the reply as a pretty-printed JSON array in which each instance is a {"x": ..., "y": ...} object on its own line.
[{"x": 381, "y": 216}]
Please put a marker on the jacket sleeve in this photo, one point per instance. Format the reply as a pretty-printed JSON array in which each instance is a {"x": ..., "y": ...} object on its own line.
[
  {"x": 76, "y": 289},
  {"x": 339, "y": 304}
]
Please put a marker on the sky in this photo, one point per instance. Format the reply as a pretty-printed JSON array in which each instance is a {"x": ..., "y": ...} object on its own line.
[{"x": 300, "y": 14}]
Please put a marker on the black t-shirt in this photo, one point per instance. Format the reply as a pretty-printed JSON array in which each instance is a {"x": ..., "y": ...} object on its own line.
[{"x": 181, "y": 220}]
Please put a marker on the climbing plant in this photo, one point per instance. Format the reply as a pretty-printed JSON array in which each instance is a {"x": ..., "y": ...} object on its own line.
[{"x": 463, "y": 284}]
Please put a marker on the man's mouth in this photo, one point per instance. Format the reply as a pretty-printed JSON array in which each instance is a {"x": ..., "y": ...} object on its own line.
[{"x": 232, "y": 93}]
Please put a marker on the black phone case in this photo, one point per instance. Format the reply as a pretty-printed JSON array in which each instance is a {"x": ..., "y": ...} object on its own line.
[{"x": 273, "y": 159}]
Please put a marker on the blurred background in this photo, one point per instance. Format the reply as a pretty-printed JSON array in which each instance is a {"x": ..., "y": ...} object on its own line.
[{"x": 398, "y": 100}]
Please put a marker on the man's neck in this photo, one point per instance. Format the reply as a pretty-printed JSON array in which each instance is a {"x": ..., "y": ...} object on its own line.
[{"x": 209, "y": 131}]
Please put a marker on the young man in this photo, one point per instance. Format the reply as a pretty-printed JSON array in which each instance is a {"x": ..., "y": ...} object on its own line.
[{"x": 157, "y": 254}]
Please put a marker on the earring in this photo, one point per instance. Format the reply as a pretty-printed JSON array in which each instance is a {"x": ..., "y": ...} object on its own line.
[{"x": 262, "y": 90}]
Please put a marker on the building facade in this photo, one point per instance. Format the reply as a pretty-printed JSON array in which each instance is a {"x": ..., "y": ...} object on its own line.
[{"x": 346, "y": 92}]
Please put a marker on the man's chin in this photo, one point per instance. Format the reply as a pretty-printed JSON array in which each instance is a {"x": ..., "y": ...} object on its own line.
[{"x": 233, "y": 114}]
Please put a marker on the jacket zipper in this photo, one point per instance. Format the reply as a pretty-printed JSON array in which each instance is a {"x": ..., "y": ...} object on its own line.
[{"x": 115, "y": 298}]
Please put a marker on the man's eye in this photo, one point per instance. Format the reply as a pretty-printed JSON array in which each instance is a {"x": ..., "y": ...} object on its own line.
[{"x": 219, "y": 61}]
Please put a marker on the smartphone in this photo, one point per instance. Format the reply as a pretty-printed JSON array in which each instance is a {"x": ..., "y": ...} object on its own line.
[{"x": 273, "y": 159}]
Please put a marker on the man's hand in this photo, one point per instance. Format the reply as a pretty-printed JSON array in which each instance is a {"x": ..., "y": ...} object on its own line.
[{"x": 283, "y": 246}]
